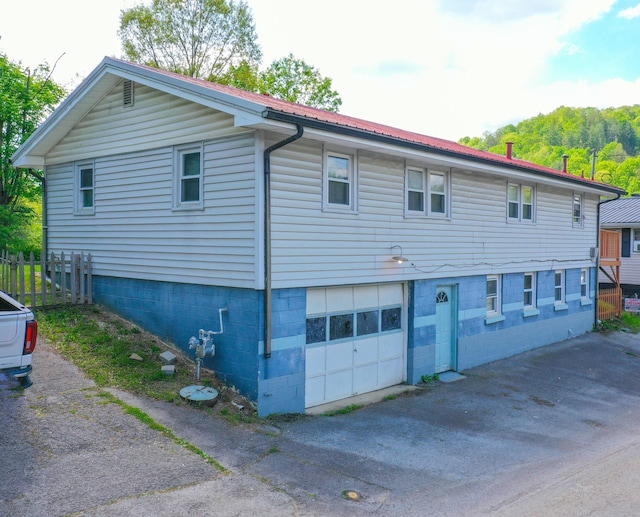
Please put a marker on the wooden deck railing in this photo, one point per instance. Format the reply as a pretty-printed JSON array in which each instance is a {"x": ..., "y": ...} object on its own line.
[
  {"x": 610, "y": 247},
  {"x": 609, "y": 303}
]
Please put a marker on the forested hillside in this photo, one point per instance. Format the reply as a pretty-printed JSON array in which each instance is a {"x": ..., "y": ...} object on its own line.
[{"x": 613, "y": 132}]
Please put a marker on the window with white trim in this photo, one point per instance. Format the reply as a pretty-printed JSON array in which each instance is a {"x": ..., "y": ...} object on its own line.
[
  {"x": 188, "y": 171},
  {"x": 529, "y": 291},
  {"x": 85, "y": 190},
  {"x": 578, "y": 210},
  {"x": 520, "y": 203},
  {"x": 559, "y": 287},
  {"x": 584, "y": 283},
  {"x": 339, "y": 181},
  {"x": 426, "y": 192},
  {"x": 636, "y": 241},
  {"x": 493, "y": 296}
]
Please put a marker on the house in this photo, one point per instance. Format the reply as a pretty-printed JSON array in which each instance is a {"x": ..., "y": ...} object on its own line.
[
  {"x": 623, "y": 216},
  {"x": 349, "y": 255}
]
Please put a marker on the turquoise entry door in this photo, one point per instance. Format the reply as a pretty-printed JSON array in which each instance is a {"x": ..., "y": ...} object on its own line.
[{"x": 445, "y": 328}]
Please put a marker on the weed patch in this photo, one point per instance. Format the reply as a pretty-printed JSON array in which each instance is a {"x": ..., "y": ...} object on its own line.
[{"x": 101, "y": 344}]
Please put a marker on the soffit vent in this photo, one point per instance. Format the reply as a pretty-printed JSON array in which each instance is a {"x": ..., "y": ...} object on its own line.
[{"x": 127, "y": 93}]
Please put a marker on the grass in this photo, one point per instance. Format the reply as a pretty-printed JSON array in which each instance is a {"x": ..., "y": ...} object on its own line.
[
  {"x": 147, "y": 420},
  {"x": 430, "y": 378},
  {"x": 628, "y": 322},
  {"x": 343, "y": 411},
  {"x": 101, "y": 344}
]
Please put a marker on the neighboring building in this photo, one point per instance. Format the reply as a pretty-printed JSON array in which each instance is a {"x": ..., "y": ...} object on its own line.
[
  {"x": 351, "y": 256},
  {"x": 623, "y": 215}
]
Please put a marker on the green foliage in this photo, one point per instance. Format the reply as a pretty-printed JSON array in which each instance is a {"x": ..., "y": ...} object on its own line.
[
  {"x": 216, "y": 40},
  {"x": 343, "y": 411},
  {"x": 26, "y": 99},
  {"x": 198, "y": 38},
  {"x": 101, "y": 344},
  {"x": 292, "y": 79},
  {"x": 544, "y": 139}
]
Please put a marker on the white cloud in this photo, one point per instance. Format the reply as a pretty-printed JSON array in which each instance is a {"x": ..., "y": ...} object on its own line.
[
  {"x": 468, "y": 65},
  {"x": 630, "y": 13},
  {"x": 447, "y": 68}
]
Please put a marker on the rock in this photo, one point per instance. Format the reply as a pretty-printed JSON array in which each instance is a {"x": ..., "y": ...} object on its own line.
[
  {"x": 135, "y": 357},
  {"x": 168, "y": 357},
  {"x": 169, "y": 369}
]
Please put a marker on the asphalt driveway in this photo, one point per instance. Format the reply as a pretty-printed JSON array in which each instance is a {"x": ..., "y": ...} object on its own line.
[{"x": 548, "y": 432}]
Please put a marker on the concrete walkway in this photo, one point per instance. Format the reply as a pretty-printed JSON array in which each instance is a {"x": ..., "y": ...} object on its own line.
[{"x": 548, "y": 432}]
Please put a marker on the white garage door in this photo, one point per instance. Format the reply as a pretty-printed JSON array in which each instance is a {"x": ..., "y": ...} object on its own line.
[{"x": 355, "y": 341}]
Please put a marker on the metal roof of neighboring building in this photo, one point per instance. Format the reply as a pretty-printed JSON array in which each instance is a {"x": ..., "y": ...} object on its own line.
[{"x": 625, "y": 210}]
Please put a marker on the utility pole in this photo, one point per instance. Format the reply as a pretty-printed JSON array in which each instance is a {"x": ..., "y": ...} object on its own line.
[{"x": 593, "y": 164}]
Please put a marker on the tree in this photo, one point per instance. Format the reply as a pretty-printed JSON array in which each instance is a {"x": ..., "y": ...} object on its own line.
[
  {"x": 26, "y": 99},
  {"x": 216, "y": 40},
  {"x": 292, "y": 79},
  {"x": 198, "y": 38}
]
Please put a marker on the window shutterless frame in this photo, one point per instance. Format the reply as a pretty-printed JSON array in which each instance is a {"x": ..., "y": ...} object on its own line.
[
  {"x": 529, "y": 291},
  {"x": 84, "y": 180},
  {"x": 584, "y": 283},
  {"x": 188, "y": 173},
  {"x": 559, "y": 287},
  {"x": 426, "y": 192},
  {"x": 578, "y": 210},
  {"x": 520, "y": 203},
  {"x": 493, "y": 296},
  {"x": 339, "y": 181}
]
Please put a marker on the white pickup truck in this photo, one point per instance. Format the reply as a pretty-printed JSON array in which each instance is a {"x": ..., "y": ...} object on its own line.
[{"x": 18, "y": 335}]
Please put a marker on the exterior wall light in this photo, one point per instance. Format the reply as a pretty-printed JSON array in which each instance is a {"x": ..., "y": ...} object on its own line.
[{"x": 398, "y": 258}]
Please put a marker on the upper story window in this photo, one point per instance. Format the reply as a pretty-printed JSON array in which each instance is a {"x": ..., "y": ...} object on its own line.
[
  {"x": 188, "y": 172},
  {"x": 493, "y": 296},
  {"x": 520, "y": 202},
  {"x": 339, "y": 181},
  {"x": 426, "y": 192},
  {"x": 84, "y": 180},
  {"x": 578, "y": 210},
  {"x": 529, "y": 291}
]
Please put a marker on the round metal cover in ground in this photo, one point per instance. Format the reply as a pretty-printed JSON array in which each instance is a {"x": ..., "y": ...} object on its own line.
[{"x": 203, "y": 394}]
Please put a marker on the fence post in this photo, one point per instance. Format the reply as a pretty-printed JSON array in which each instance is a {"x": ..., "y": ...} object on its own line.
[
  {"x": 89, "y": 280},
  {"x": 73, "y": 278},
  {"x": 54, "y": 280},
  {"x": 43, "y": 277},
  {"x": 13, "y": 288},
  {"x": 5, "y": 271},
  {"x": 21, "y": 267},
  {"x": 32, "y": 269},
  {"x": 81, "y": 275}
]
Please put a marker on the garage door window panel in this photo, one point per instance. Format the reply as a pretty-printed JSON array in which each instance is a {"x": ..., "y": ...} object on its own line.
[
  {"x": 368, "y": 322},
  {"x": 316, "y": 330},
  {"x": 391, "y": 319},
  {"x": 340, "y": 326}
]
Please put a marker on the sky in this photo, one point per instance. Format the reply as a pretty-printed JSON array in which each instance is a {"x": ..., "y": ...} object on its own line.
[{"x": 444, "y": 68}]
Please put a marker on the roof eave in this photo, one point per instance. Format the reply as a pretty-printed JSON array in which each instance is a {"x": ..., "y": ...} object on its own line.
[
  {"x": 31, "y": 154},
  {"x": 272, "y": 114}
]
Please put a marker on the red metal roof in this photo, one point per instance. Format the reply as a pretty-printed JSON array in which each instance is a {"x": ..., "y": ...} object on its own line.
[{"x": 346, "y": 121}]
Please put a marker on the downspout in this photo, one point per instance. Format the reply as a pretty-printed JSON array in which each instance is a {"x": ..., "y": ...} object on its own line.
[
  {"x": 267, "y": 236},
  {"x": 595, "y": 316}
]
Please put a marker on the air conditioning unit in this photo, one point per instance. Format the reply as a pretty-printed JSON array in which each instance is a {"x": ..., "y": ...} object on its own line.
[{"x": 593, "y": 252}]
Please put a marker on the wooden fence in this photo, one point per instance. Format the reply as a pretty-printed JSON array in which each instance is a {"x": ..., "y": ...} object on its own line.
[
  {"x": 49, "y": 282},
  {"x": 609, "y": 303}
]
